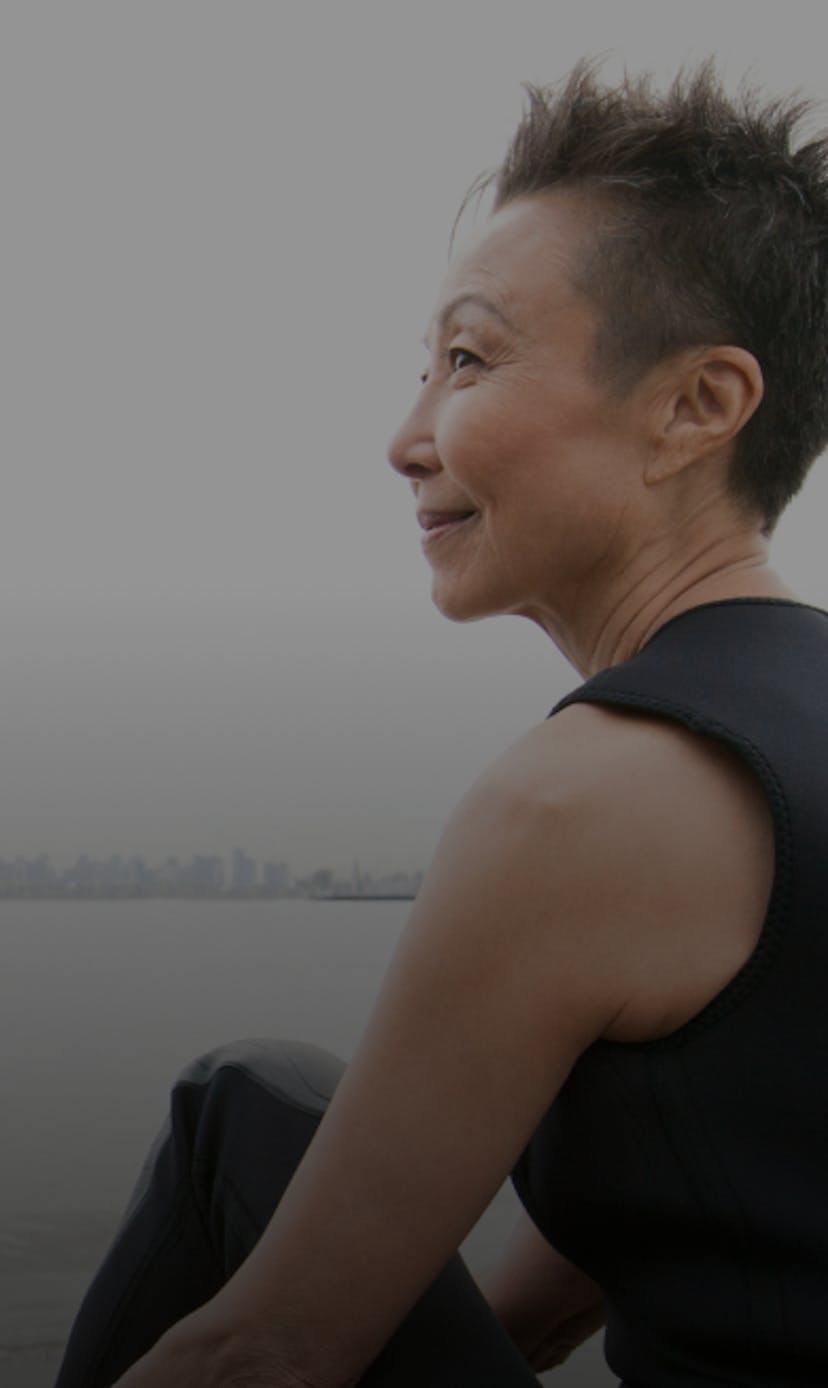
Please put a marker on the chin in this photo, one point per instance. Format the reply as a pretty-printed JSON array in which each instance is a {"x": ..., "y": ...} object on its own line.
[{"x": 462, "y": 606}]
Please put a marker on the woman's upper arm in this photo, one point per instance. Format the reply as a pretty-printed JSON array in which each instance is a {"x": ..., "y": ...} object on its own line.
[
  {"x": 574, "y": 894},
  {"x": 495, "y": 989}
]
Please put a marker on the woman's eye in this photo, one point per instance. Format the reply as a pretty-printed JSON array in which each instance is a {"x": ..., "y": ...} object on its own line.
[{"x": 460, "y": 357}]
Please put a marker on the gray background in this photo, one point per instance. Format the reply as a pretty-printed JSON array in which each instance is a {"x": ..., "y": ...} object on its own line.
[{"x": 224, "y": 226}]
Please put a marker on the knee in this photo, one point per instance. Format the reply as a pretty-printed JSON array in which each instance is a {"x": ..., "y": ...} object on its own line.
[{"x": 295, "y": 1072}]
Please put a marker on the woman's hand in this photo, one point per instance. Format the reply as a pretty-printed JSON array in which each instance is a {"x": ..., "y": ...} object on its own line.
[
  {"x": 204, "y": 1350},
  {"x": 546, "y": 1303}
]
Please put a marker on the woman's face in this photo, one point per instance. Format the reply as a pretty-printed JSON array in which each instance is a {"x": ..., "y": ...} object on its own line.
[{"x": 524, "y": 469}]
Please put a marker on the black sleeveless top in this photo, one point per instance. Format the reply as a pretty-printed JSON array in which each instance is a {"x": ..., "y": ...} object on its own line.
[{"x": 689, "y": 1175}]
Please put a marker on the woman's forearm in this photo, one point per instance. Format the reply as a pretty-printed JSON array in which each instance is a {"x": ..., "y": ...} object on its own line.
[{"x": 213, "y": 1352}]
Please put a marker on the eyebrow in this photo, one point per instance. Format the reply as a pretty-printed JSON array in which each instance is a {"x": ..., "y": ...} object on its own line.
[{"x": 448, "y": 310}]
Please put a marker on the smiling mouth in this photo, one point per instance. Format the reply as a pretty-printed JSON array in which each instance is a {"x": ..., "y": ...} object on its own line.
[{"x": 438, "y": 524}]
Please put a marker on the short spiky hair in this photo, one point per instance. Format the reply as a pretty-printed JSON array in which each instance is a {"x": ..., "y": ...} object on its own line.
[{"x": 715, "y": 231}]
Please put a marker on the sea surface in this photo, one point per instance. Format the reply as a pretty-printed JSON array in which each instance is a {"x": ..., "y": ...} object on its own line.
[{"x": 101, "y": 1003}]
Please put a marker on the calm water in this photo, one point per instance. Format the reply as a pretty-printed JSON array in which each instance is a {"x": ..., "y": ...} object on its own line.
[{"x": 100, "y": 1004}]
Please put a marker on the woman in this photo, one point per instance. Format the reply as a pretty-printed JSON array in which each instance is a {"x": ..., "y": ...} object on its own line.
[{"x": 612, "y": 981}]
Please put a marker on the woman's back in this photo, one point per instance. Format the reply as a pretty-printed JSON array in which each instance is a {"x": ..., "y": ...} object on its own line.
[{"x": 685, "y": 1173}]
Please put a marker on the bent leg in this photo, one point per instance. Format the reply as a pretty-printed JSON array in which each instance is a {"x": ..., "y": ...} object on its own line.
[{"x": 241, "y": 1118}]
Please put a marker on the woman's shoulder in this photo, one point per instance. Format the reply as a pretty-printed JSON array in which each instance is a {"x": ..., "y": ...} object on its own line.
[
  {"x": 599, "y": 754},
  {"x": 652, "y": 845}
]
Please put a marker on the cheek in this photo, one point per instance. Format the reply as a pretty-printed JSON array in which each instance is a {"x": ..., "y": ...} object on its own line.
[{"x": 477, "y": 441}]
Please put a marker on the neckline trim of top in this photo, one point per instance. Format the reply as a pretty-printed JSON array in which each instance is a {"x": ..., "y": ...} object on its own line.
[{"x": 731, "y": 602}]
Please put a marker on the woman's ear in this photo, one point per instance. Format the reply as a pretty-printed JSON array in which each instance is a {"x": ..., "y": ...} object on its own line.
[{"x": 705, "y": 397}]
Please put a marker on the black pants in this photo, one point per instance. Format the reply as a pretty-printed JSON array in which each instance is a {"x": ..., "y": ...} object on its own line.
[{"x": 241, "y": 1117}]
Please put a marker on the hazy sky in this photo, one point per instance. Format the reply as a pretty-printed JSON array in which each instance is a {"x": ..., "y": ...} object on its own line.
[{"x": 223, "y": 229}]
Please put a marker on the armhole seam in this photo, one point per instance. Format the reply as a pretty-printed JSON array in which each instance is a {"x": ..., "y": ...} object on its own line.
[{"x": 776, "y": 916}]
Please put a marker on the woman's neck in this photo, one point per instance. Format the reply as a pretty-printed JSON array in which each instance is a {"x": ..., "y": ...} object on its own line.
[{"x": 612, "y": 627}]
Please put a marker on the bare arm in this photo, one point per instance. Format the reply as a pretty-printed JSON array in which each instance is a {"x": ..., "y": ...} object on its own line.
[
  {"x": 540, "y": 927},
  {"x": 483, "y": 1012},
  {"x": 547, "y": 1304}
]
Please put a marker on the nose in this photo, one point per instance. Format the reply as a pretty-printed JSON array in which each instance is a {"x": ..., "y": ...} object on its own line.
[{"x": 412, "y": 451}]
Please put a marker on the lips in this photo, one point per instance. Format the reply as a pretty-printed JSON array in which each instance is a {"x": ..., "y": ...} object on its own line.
[{"x": 431, "y": 520}]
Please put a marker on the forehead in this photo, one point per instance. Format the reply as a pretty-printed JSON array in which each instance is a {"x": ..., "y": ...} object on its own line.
[{"x": 524, "y": 260}]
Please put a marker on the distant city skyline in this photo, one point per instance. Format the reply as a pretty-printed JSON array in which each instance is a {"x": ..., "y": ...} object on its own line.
[{"x": 203, "y": 875}]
